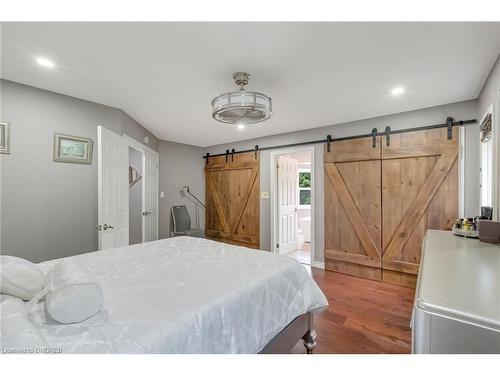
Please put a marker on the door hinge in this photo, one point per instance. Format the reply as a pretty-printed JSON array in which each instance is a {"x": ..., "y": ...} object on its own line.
[{"x": 98, "y": 227}]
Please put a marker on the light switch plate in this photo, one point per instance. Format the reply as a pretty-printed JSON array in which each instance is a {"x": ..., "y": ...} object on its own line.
[
  {"x": 162, "y": 194},
  {"x": 264, "y": 195}
]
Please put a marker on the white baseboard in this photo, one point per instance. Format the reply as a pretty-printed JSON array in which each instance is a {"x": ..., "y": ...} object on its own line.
[{"x": 316, "y": 264}]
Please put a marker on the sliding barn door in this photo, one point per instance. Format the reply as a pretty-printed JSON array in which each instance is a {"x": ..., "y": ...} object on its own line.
[
  {"x": 353, "y": 207},
  {"x": 380, "y": 199},
  {"x": 232, "y": 191},
  {"x": 419, "y": 192}
]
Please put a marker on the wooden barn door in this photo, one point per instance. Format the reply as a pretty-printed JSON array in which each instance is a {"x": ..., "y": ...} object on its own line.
[
  {"x": 419, "y": 192},
  {"x": 379, "y": 201},
  {"x": 353, "y": 207},
  {"x": 232, "y": 191}
]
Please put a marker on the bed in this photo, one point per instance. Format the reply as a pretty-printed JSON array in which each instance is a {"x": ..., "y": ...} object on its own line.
[{"x": 181, "y": 295}]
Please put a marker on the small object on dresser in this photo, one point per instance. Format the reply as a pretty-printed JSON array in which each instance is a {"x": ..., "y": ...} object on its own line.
[
  {"x": 489, "y": 231},
  {"x": 466, "y": 227},
  {"x": 486, "y": 212}
]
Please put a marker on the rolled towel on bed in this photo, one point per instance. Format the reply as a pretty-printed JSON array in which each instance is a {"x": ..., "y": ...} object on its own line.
[
  {"x": 19, "y": 277},
  {"x": 71, "y": 293}
]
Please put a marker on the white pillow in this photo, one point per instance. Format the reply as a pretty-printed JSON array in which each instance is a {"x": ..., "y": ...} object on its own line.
[
  {"x": 72, "y": 293},
  {"x": 19, "y": 277}
]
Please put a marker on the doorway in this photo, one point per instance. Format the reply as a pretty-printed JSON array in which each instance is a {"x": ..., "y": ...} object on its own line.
[
  {"x": 142, "y": 192},
  {"x": 293, "y": 206},
  {"x": 135, "y": 201},
  {"x": 127, "y": 190}
]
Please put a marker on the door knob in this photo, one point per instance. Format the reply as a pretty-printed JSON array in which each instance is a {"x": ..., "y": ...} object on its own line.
[{"x": 106, "y": 226}]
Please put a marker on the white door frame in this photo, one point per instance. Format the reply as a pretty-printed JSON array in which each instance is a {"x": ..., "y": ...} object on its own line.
[
  {"x": 274, "y": 189},
  {"x": 142, "y": 149}
]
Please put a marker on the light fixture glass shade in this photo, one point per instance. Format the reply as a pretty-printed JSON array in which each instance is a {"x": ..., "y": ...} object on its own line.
[{"x": 241, "y": 107}]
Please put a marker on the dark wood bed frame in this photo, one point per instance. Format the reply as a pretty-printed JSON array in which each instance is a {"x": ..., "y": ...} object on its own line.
[{"x": 301, "y": 328}]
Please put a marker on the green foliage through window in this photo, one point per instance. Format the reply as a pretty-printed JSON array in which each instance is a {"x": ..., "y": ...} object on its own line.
[
  {"x": 305, "y": 179},
  {"x": 305, "y": 197}
]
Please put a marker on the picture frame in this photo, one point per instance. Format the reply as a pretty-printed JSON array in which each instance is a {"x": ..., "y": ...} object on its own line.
[
  {"x": 72, "y": 149},
  {"x": 4, "y": 138}
]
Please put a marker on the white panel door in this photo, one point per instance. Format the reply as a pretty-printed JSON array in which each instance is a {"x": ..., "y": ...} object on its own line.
[
  {"x": 287, "y": 204},
  {"x": 150, "y": 186},
  {"x": 112, "y": 195}
]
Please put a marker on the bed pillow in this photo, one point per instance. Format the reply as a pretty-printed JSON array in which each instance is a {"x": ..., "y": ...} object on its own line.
[
  {"x": 19, "y": 277},
  {"x": 72, "y": 293}
]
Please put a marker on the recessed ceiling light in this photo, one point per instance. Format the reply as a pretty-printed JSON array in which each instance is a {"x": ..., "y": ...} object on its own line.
[
  {"x": 241, "y": 126},
  {"x": 45, "y": 62},
  {"x": 397, "y": 90}
]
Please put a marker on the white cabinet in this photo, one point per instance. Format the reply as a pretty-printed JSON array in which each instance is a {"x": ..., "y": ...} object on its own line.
[{"x": 457, "y": 301}]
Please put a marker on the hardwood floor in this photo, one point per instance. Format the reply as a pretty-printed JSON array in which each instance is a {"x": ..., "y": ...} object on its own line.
[{"x": 364, "y": 316}]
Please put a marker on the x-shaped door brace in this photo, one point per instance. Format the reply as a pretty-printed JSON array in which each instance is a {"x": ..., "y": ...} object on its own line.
[
  {"x": 231, "y": 229},
  {"x": 410, "y": 220}
]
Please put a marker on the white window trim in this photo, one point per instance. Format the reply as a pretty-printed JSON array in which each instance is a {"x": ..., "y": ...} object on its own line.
[{"x": 491, "y": 166}]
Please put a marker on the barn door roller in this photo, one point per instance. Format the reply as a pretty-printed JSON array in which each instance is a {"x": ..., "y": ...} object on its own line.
[
  {"x": 374, "y": 137},
  {"x": 449, "y": 125}
]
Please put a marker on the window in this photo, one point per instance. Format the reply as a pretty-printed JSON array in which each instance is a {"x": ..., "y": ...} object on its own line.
[
  {"x": 304, "y": 187},
  {"x": 486, "y": 155}
]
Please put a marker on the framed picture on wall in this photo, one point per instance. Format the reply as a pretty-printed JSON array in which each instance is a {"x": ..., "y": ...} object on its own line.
[
  {"x": 4, "y": 138},
  {"x": 71, "y": 149}
]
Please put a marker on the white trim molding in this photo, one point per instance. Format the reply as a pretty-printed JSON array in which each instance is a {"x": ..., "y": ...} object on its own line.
[
  {"x": 317, "y": 264},
  {"x": 273, "y": 189},
  {"x": 461, "y": 172}
]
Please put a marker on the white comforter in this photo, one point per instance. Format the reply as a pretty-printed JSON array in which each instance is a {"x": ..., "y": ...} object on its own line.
[{"x": 180, "y": 295}]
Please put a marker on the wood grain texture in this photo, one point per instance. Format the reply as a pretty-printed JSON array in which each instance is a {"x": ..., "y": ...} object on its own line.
[
  {"x": 363, "y": 316},
  {"x": 372, "y": 250},
  {"x": 352, "y": 150},
  {"x": 419, "y": 192},
  {"x": 385, "y": 198},
  {"x": 353, "y": 209},
  {"x": 232, "y": 199}
]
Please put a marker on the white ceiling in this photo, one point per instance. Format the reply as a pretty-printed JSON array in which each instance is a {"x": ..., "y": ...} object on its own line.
[{"x": 165, "y": 74}]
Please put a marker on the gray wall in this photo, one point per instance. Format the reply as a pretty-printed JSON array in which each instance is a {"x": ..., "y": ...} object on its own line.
[
  {"x": 135, "y": 198},
  {"x": 48, "y": 209},
  {"x": 490, "y": 96},
  {"x": 435, "y": 115},
  {"x": 180, "y": 165}
]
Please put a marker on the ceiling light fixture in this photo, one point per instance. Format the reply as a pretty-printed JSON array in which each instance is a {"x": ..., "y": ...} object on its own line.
[
  {"x": 397, "y": 90},
  {"x": 241, "y": 126},
  {"x": 45, "y": 62},
  {"x": 241, "y": 107}
]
